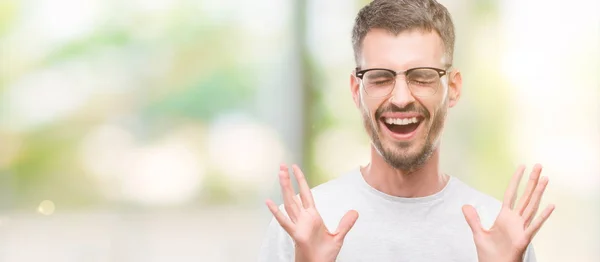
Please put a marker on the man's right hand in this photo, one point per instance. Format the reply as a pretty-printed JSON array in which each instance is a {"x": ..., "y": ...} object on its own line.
[{"x": 313, "y": 242}]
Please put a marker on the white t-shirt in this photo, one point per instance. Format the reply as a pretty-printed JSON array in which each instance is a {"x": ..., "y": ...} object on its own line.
[{"x": 390, "y": 228}]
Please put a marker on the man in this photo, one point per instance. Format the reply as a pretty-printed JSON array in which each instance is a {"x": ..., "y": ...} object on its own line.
[{"x": 409, "y": 210}]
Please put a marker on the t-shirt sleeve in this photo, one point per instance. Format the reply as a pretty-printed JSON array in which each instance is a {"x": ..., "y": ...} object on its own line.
[
  {"x": 529, "y": 254},
  {"x": 277, "y": 245}
]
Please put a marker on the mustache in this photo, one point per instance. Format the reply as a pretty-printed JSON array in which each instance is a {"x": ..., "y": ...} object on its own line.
[{"x": 392, "y": 108}]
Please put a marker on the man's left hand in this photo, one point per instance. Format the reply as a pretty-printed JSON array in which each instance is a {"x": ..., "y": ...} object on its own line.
[{"x": 515, "y": 227}]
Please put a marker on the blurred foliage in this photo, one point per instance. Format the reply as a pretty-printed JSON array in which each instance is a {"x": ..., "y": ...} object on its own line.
[
  {"x": 92, "y": 44},
  {"x": 227, "y": 89},
  {"x": 486, "y": 124},
  {"x": 206, "y": 75},
  {"x": 8, "y": 11},
  {"x": 203, "y": 80},
  {"x": 45, "y": 169}
]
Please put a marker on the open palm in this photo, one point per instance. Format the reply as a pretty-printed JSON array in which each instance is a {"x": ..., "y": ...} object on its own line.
[
  {"x": 514, "y": 227},
  {"x": 305, "y": 226}
]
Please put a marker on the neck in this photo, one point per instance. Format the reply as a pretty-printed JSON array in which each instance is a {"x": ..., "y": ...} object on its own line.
[{"x": 426, "y": 180}]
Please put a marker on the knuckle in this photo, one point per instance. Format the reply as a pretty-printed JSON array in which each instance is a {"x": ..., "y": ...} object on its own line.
[
  {"x": 301, "y": 238},
  {"x": 288, "y": 207}
]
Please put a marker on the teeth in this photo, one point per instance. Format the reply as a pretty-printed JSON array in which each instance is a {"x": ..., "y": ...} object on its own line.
[{"x": 401, "y": 121}]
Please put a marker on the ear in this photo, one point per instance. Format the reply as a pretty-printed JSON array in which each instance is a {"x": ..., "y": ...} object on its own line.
[
  {"x": 454, "y": 87},
  {"x": 355, "y": 88}
]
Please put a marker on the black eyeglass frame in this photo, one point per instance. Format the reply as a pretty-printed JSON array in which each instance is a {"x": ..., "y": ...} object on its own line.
[
  {"x": 361, "y": 73},
  {"x": 441, "y": 72}
]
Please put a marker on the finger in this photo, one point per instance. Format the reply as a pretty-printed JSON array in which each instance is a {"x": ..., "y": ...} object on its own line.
[
  {"x": 285, "y": 223},
  {"x": 305, "y": 194},
  {"x": 534, "y": 177},
  {"x": 283, "y": 167},
  {"x": 346, "y": 224},
  {"x": 538, "y": 222},
  {"x": 288, "y": 194},
  {"x": 297, "y": 200},
  {"x": 534, "y": 204},
  {"x": 511, "y": 193},
  {"x": 472, "y": 219}
]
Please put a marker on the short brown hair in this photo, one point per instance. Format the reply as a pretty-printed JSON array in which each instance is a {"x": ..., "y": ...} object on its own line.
[{"x": 397, "y": 16}]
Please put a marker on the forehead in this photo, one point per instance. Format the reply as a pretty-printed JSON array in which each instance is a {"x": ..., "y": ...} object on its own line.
[{"x": 407, "y": 49}]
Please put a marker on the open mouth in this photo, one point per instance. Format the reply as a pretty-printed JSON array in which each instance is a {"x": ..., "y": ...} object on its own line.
[{"x": 402, "y": 127}]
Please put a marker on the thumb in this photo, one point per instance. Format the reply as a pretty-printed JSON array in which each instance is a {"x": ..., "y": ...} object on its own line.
[
  {"x": 346, "y": 224},
  {"x": 472, "y": 219}
]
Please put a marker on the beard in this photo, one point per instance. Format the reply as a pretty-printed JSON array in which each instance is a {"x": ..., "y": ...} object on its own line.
[{"x": 398, "y": 154}]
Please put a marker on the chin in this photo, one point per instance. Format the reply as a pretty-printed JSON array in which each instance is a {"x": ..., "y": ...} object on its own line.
[{"x": 407, "y": 155}]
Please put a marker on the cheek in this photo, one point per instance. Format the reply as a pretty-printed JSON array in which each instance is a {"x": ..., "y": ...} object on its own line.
[
  {"x": 369, "y": 106},
  {"x": 435, "y": 103}
]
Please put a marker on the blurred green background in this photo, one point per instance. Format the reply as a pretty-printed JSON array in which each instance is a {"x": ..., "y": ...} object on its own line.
[{"x": 153, "y": 130}]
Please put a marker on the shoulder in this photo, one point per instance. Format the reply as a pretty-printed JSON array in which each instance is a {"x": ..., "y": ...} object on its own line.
[
  {"x": 474, "y": 196},
  {"x": 487, "y": 206},
  {"x": 343, "y": 184},
  {"x": 336, "y": 195}
]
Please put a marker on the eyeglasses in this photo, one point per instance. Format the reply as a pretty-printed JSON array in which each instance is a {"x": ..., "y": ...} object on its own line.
[{"x": 421, "y": 81}]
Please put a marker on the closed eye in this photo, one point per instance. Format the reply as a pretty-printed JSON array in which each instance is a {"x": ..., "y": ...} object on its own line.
[
  {"x": 422, "y": 82},
  {"x": 383, "y": 82}
]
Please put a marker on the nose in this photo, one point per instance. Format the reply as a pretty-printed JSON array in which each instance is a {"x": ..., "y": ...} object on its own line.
[{"x": 401, "y": 95}]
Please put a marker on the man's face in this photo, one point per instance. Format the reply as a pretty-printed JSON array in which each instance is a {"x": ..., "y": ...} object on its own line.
[{"x": 405, "y": 146}]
